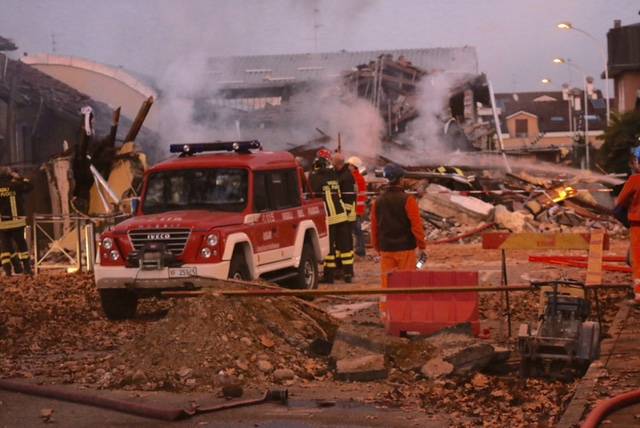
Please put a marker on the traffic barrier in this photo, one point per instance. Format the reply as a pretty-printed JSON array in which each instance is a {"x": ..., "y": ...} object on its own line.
[{"x": 429, "y": 313}]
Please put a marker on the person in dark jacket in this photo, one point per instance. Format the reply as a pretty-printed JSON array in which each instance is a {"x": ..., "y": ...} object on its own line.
[
  {"x": 13, "y": 187},
  {"x": 396, "y": 227},
  {"x": 323, "y": 183}
]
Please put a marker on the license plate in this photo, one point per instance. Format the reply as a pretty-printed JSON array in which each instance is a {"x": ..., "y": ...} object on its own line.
[{"x": 183, "y": 272}]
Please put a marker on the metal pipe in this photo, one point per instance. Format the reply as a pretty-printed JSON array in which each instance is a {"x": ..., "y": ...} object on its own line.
[
  {"x": 93, "y": 400},
  {"x": 498, "y": 130},
  {"x": 361, "y": 291}
]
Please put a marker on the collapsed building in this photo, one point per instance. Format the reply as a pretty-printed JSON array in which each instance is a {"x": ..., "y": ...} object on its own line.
[
  {"x": 63, "y": 140},
  {"x": 294, "y": 101}
]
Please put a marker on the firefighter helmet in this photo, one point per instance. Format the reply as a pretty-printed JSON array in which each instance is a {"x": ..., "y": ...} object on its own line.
[
  {"x": 321, "y": 163},
  {"x": 393, "y": 172},
  {"x": 325, "y": 154},
  {"x": 357, "y": 162}
]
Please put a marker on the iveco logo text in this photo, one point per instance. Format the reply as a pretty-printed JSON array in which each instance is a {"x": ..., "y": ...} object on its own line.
[{"x": 158, "y": 236}]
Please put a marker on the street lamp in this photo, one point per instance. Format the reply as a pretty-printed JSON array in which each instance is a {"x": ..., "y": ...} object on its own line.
[
  {"x": 568, "y": 26},
  {"x": 586, "y": 80},
  {"x": 545, "y": 81}
]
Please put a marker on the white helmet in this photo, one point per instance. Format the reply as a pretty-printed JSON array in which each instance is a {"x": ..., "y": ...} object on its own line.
[{"x": 355, "y": 161}]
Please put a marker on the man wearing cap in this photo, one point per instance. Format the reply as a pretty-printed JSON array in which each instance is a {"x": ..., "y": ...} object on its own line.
[
  {"x": 396, "y": 227},
  {"x": 629, "y": 199}
]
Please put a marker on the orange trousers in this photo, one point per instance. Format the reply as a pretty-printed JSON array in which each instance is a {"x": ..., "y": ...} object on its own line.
[
  {"x": 391, "y": 261},
  {"x": 635, "y": 260}
]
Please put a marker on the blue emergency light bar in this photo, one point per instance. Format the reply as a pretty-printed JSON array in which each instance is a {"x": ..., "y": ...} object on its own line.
[{"x": 218, "y": 146}]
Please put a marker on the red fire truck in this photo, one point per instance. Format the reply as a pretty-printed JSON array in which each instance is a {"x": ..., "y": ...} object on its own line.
[{"x": 218, "y": 210}]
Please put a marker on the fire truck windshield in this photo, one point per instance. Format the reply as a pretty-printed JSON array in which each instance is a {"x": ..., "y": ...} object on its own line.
[{"x": 208, "y": 189}]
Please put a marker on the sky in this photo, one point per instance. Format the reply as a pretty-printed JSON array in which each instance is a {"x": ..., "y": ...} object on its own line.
[{"x": 516, "y": 40}]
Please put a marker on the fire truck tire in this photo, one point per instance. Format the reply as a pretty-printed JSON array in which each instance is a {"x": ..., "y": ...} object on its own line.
[
  {"x": 118, "y": 304},
  {"x": 238, "y": 268},
  {"x": 307, "y": 275}
]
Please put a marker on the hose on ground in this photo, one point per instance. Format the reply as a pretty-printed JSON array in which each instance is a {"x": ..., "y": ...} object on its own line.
[
  {"x": 609, "y": 406},
  {"x": 94, "y": 400}
]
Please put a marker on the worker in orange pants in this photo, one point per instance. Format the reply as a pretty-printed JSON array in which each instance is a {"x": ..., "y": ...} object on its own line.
[
  {"x": 396, "y": 228},
  {"x": 629, "y": 199}
]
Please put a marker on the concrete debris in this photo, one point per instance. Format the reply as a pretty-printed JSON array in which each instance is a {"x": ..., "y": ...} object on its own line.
[
  {"x": 466, "y": 209},
  {"x": 464, "y": 353},
  {"x": 513, "y": 221},
  {"x": 436, "y": 368},
  {"x": 282, "y": 375},
  {"x": 365, "y": 368}
]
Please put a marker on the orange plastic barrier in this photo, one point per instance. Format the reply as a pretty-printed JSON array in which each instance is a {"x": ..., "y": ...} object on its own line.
[{"x": 429, "y": 313}]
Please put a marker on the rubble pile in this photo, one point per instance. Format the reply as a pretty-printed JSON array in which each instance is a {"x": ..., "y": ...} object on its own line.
[
  {"x": 460, "y": 204},
  {"x": 486, "y": 400},
  {"x": 52, "y": 326},
  {"x": 214, "y": 341}
]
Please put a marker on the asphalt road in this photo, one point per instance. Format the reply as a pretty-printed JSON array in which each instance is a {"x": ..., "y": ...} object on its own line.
[{"x": 19, "y": 410}]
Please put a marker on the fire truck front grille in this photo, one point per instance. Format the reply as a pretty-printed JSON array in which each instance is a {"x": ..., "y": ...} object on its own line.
[{"x": 174, "y": 239}]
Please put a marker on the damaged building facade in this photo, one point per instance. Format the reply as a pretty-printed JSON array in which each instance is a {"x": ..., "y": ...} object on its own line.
[{"x": 260, "y": 94}]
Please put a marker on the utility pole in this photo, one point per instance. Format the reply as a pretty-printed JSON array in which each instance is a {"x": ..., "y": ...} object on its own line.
[{"x": 316, "y": 27}]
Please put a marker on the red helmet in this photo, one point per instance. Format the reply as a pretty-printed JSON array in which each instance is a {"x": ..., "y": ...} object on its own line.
[{"x": 324, "y": 153}]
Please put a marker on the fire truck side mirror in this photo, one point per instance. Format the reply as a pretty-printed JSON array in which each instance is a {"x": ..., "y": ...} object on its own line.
[{"x": 130, "y": 205}]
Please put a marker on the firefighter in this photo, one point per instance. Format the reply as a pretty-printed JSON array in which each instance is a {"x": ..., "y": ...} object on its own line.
[
  {"x": 323, "y": 183},
  {"x": 347, "y": 184},
  {"x": 12, "y": 221},
  {"x": 358, "y": 170},
  {"x": 396, "y": 227},
  {"x": 629, "y": 199}
]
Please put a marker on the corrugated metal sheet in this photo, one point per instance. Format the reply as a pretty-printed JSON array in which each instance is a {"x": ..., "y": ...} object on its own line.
[{"x": 261, "y": 70}]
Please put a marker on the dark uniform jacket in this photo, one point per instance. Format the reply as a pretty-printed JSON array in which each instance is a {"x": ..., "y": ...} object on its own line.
[
  {"x": 348, "y": 191},
  {"x": 11, "y": 201},
  {"x": 395, "y": 222},
  {"x": 323, "y": 183}
]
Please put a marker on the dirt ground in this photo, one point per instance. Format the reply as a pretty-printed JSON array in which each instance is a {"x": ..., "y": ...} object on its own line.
[{"x": 52, "y": 331}]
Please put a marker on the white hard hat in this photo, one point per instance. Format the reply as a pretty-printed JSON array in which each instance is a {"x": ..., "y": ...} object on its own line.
[{"x": 355, "y": 161}]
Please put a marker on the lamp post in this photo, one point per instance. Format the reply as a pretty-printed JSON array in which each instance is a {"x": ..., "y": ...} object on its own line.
[
  {"x": 585, "y": 80},
  {"x": 568, "y": 26}
]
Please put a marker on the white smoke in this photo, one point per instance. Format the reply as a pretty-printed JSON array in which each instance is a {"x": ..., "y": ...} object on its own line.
[{"x": 188, "y": 79}]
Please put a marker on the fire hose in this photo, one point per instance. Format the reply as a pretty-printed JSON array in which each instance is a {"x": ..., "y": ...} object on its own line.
[
  {"x": 608, "y": 406},
  {"x": 147, "y": 411}
]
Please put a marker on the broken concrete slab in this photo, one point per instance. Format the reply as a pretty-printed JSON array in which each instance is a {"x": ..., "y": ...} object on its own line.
[
  {"x": 441, "y": 201},
  {"x": 365, "y": 368},
  {"x": 465, "y": 353}
]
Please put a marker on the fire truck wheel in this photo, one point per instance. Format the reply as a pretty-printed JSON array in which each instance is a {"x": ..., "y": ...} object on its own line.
[
  {"x": 307, "y": 277},
  {"x": 238, "y": 269},
  {"x": 118, "y": 304}
]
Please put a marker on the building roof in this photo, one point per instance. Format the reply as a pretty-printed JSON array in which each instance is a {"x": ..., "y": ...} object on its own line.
[
  {"x": 269, "y": 70},
  {"x": 7, "y": 44},
  {"x": 553, "y": 116},
  {"x": 85, "y": 64}
]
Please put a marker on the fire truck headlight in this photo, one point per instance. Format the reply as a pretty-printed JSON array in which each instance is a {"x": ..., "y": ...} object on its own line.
[
  {"x": 212, "y": 240},
  {"x": 114, "y": 255},
  {"x": 205, "y": 252},
  {"x": 107, "y": 243}
]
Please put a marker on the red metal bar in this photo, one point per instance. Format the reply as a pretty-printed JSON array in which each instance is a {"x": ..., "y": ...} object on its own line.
[
  {"x": 559, "y": 261},
  {"x": 581, "y": 258}
]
